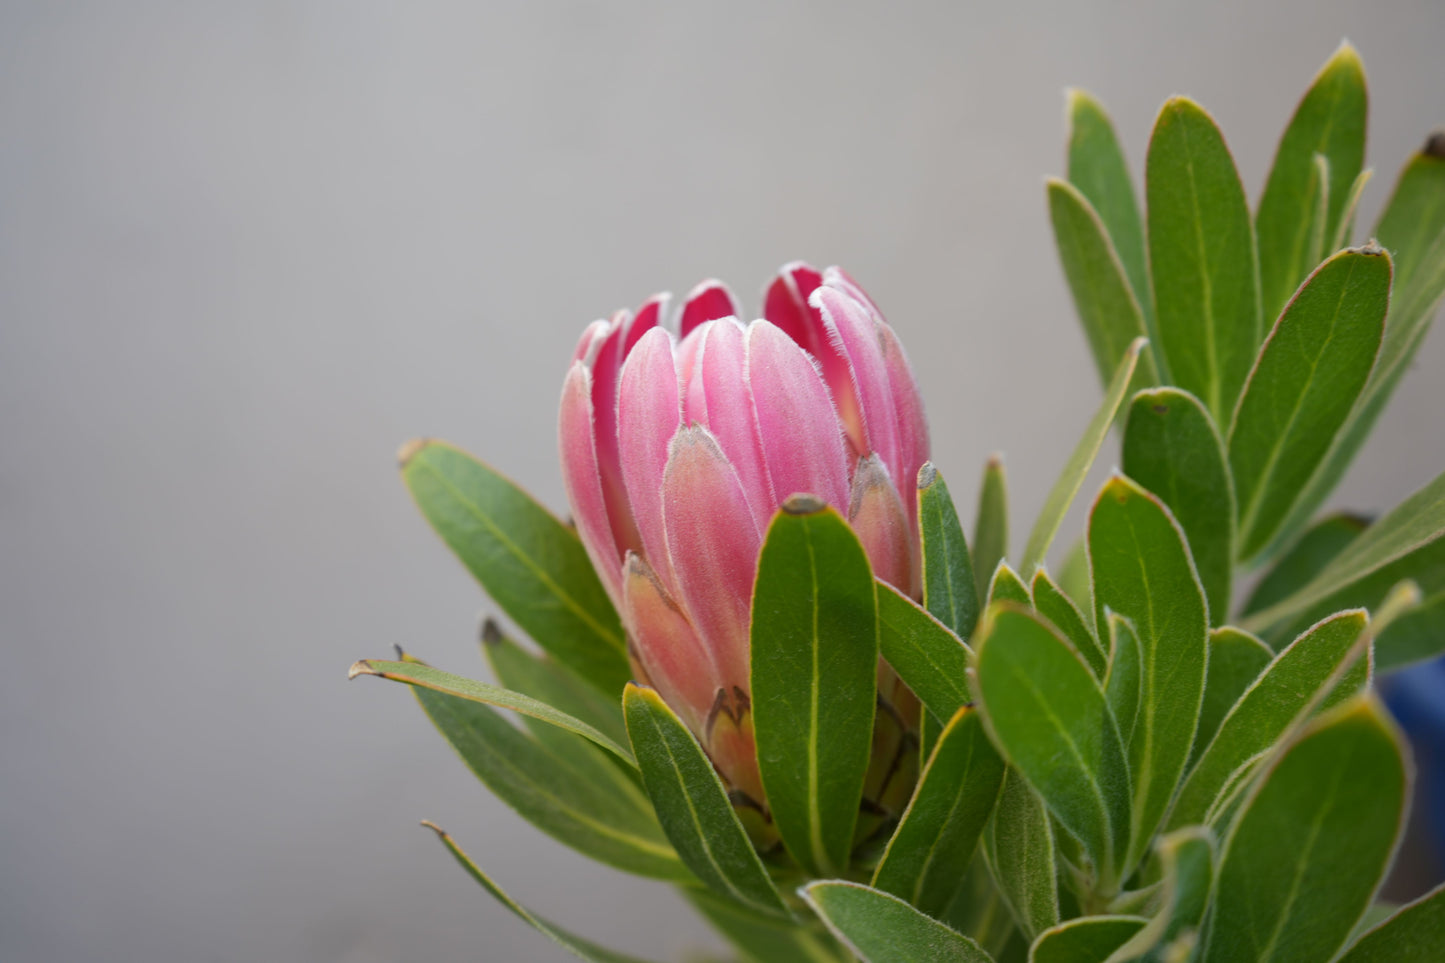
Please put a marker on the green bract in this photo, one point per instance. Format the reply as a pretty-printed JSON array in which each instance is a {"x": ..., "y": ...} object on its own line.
[{"x": 968, "y": 758}]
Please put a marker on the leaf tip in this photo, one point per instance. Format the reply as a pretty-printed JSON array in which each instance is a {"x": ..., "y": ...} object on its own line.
[
  {"x": 803, "y": 503},
  {"x": 408, "y": 451},
  {"x": 927, "y": 475},
  {"x": 1434, "y": 145},
  {"x": 361, "y": 667},
  {"x": 1370, "y": 248},
  {"x": 491, "y": 632}
]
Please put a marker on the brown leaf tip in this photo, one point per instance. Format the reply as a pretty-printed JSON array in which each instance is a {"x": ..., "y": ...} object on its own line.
[
  {"x": 1435, "y": 145},
  {"x": 1370, "y": 249},
  {"x": 803, "y": 503},
  {"x": 491, "y": 631},
  {"x": 927, "y": 475},
  {"x": 359, "y": 668},
  {"x": 409, "y": 450}
]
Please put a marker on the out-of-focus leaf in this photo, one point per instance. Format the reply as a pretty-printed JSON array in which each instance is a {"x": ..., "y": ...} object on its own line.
[
  {"x": 1266, "y": 710},
  {"x": 813, "y": 679},
  {"x": 1142, "y": 570},
  {"x": 1061, "y": 496},
  {"x": 1309, "y": 373},
  {"x": 928, "y": 657},
  {"x": 1412, "y": 229},
  {"x": 692, "y": 804},
  {"x": 1315, "y": 549},
  {"x": 576, "y": 945},
  {"x": 1328, "y": 125},
  {"x": 423, "y": 677},
  {"x": 1186, "y": 860},
  {"x": 950, "y": 591},
  {"x": 1121, "y": 682},
  {"x": 1236, "y": 659},
  {"x": 1312, "y": 842},
  {"x": 1415, "y": 636},
  {"x": 1098, "y": 169},
  {"x": 1058, "y": 608},
  {"x": 1344, "y": 230},
  {"x": 1107, "y": 304},
  {"x": 1171, "y": 447},
  {"x": 762, "y": 938},
  {"x": 882, "y": 928},
  {"x": 1088, "y": 939},
  {"x": 1048, "y": 715},
  {"x": 1414, "y": 934},
  {"x": 928, "y": 856},
  {"x": 1201, "y": 253},
  {"x": 1018, "y": 846},
  {"x": 990, "y": 527},
  {"x": 1074, "y": 582},
  {"x": 531, "y": 564},
  {"x": 1008, "y": 587}
]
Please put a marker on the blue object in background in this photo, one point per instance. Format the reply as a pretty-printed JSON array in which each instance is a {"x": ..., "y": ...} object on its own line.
[{"x": 1417, "y": 698}]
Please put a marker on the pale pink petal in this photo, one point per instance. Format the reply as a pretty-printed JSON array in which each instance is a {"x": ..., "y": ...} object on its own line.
[
  {"x": 690, "y": 364},
  {"x": 908, "y": 414},
  {"x": 855, "y": 334},
  {"x": 708, "y": 301},
  {"x": 802, "y": 442},
  {"x": 606, "y": 367},
  {"x": 877, "y": 516},
  {"x": 785, "y": 303},
  {"x": 583, "y": 482},
  {"x": 840, "y": 278},
  {"x": 678, "y": 665},
  {"x": 590, "y": 341},
  {"x": 729, "y": 413},
  {"x": 713, "y": 543},
  {"x": 650, "y": 416}
]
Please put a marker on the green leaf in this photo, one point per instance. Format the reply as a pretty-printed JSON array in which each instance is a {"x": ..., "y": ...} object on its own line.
[
  {"x": 763, "y": 938},
  {"x": 1201, "y": 253},
  {"x": 1018, "y": 846},
  {"x": 950, "y": 591},
  {"x": 927, "y": 858},
  {"x": 1186, "y": 861},
  {"x": 1172, "y": 448},
  {"x": 576, "y": 945},
  {"x": 881, "y": 928},
  {"x": 1315, "y": 549},
  {"x": 423, "y": 677},
  {"x": 1328, "y": 124},
  {"x": 1142, "y": 570},
  {"x": 924, "y": 653},
  {"x": 1008, "y": 587},
  {"x": 1050, "y": 602},
  {"x": 990, "y": 527},
  {"x": 1088, "y": 939},
  {"x": 692, "y": 804},
  {"x": 1344, "y": 230},
  {"x": 1262, "y": 715},
  {"x": 1098, "y": 169},
  {"x": 1236, "y": 659},
  {"x": 814, "y": 679},
  {"x": 550, "y": 792},
  {"x": 1312, "y": 842},
  {"x": 1074, "y": 582},
  {"x": 1412, "y": 229},
  {"x": 531, "y": 564},
  {"x": 1406, "y": 543},
  {"x": 1309, "y": 373},
  {"x": 1061, "y": 496},
  {"x": 1121, "y": 682},
  {"x": 1414, "y": 637},
  {"x": 1108, "y": 306},
  {"x": 1414, "y": 934},
  {"x": 1048, "y": 716}
]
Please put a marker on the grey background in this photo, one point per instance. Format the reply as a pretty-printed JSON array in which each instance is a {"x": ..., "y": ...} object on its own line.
[{"x": 247, "y": 250}]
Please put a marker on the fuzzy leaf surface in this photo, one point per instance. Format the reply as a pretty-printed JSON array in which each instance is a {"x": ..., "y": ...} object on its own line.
[
  {"x": 1051, "y": 602},
  {"x": 1087, "y": 939},
  {"x": 1018, "y": 845},
  {"x": 881, "y": 928},
  {"x": 1413, "y": 934},
  {"x": 950, "y": 590},
  {"x": 924, "y": 653},
  {"x": 1236, "y": 659}
]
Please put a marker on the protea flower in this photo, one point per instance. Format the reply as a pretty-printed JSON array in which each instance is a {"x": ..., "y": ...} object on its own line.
[{"x": 677, "y": 449}]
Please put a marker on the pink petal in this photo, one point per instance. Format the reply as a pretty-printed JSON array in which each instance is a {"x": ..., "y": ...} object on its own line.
[
  {"x": 908, "y": 412},
  {"x": 729, "y": 414},
  {"x": 713, "y": 543},
  {"x": 590, "y": 341},
  {"x": 802, "y": 441},
  {"x": 606, "y": 367},
  {"x": 855, "y": 335},
  {"x": 678, "y": 665},
  {"x": 649, "y": 316},
  {"x": 650, "y": 416},
  {"x": 690, "y": 364},
  {"x": 708, "y": 301},
  {"x": 877, "y": 515},
  {"x": 842, "y": 280},
  {"x": 583, "y": 481},
  {"x": 785, "y": 303}
]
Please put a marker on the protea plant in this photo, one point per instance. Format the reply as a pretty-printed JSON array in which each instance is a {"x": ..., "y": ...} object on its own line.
[{"x": 774, "y": 671}]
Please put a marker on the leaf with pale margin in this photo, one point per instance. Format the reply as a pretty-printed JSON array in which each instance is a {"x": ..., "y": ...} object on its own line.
[
  {"x": 1415, "y": 636},
  {"x": 1236, "y": 659},
  {"x": 1202, "y": 255},
  {"x": 1413, "y": 934},
  {"x": 1186, "y": 860},
  {"x": 813, "y": 679},
  {"x": 1087, "y": 939},
  {"x": 990, "y": 526},
  {"x": 1061, "y": 496},
  {"x": 950, "y": 590},
  {"x": 925, "y": 654},
  {"x": 881, "y": 928},
  {"x": 1051, "y": 602},
  {"x": 531, "y": 564},
  {"x": 692, "y": 804},
  {"x": 761, "y": 938},
  {"x": 576, "y": 945},
  {"x": 1018, "y": 846},
  {"x": 1007, "y": 586},
  {"x": 1173, "y": 449},
  {"x": 1316, "y": 548},
  {"x": 1121, "y": 682},
  {"x": 929, "y": 853},
  {"x": 1312, "y": 841}
]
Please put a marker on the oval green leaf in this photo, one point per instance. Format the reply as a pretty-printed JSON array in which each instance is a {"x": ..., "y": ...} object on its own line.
[
  {"x": 1051, "y": 602},
  {"x": 1236, "y": 659},
  {"x": 925, "y": 654},
  {"x": 1186, "y": 862},
  {"x": 950, "y": 590},
  {"x": 881, "y": 928},
  {"x": 1088, "y": 939},
  {"x": 1414, "y": 934},
  {"x": 1018, "y": 846},
  {"x": 1315, "y": 549}
]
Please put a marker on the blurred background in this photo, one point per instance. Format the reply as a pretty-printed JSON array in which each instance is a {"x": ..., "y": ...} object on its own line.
[{"x": 246, "y": 250}]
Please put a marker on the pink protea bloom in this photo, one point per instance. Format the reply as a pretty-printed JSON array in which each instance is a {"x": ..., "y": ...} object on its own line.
[{"x": 677, "y": 449}]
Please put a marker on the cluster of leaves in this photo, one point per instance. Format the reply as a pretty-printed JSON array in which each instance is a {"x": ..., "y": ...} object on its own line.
[{"x": 1117, "y": 765}]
